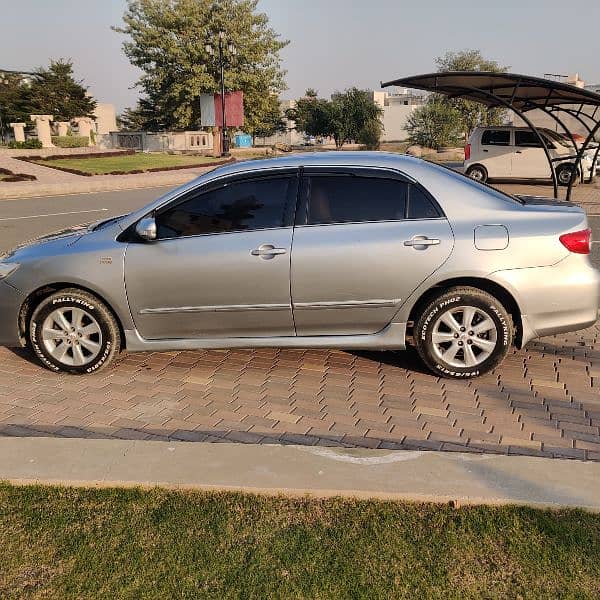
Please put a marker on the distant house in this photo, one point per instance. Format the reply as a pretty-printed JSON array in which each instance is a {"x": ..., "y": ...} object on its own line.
[{"x": 397, "y": 107}]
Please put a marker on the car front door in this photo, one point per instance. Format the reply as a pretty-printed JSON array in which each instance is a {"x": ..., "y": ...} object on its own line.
[
  {"x": 529, "y": 158},
  {"x": 220, "y": 265},
  {"x": 363, "y": 241},
  {"x": 496, "y": 152}
]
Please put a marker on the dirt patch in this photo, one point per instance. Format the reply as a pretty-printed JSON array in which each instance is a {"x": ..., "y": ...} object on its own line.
[{"x": 7, "y": 176}]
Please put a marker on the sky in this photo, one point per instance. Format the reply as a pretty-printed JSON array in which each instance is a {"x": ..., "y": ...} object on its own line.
[{"x": 334, "y": 44}]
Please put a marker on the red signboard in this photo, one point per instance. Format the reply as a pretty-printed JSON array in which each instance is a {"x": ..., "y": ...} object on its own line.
[{"x": 234, "y": 109}]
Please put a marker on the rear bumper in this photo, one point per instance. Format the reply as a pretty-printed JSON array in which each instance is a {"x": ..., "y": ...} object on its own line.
[
  {"x": 563, "y": 297},
  {"x": 11, "y": 301}
]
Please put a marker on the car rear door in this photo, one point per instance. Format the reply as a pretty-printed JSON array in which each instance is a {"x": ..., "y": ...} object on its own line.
[
  {"x": 495, "y": 152},
  {"x": 221, "y": 264},
  {"x": 364, "y": 240}
]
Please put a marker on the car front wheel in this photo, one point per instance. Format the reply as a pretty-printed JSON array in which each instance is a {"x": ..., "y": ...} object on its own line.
[
  {"x": 463, "y": 333},
  {"x": 73, "y": 331},
  {"x": 564, "y": 173}
]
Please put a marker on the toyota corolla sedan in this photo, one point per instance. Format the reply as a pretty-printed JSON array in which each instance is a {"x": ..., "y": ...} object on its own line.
[{"x": 352, "y": 250}]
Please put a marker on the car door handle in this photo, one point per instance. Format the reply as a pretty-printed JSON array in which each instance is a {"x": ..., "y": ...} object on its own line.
[
  {"x": 267, "y": 251},
  {"x": 421, "y": 240}
]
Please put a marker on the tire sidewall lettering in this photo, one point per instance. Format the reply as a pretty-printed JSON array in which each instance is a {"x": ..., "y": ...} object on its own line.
[
  {"x": 496, "y": 313},
  {"x": 69, "y": 301}
]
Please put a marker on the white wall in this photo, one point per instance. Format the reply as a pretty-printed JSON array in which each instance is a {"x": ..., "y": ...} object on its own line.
[
  {"x": 106, "y": 118},
  {"x": 394, "y": 122}
]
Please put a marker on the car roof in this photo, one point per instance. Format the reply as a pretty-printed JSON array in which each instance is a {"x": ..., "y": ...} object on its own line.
[
  {"x": 510, "y": 127},
  {"x": 331, "y": 158}
]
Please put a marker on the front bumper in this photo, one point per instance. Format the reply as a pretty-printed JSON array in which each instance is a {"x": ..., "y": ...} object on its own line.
[
  {"x": 11, "y": 301},
  {"x": 555, "y": 299}
]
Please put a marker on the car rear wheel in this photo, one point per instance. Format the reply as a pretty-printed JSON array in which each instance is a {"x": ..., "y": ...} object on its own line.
[
  {"x": 73, "y": 331},
  {"x": 478, "y": 173},
  {"x": 463, "y": 333}
]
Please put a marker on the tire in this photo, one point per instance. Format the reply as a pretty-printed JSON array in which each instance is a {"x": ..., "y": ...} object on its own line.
[
  {"x": 478, "y": 173},
  {"x": 87, "y": 334},
  {"x": 564, "y": 174},
  {"x": 473, "y": 353}
]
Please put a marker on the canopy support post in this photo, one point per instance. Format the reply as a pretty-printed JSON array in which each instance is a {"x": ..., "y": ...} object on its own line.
[{"x": 580, "y": 154}]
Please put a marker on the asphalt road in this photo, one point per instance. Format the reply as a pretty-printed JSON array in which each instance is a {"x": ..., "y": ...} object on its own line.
[{"x": 24, "y": 219}]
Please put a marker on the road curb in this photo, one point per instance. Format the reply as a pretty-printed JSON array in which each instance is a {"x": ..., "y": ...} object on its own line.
[{"x": 300, "y": 470}]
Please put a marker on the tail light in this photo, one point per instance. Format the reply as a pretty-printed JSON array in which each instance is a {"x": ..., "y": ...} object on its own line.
[
  {"x": 578, "y": 242},
  {"x": 467, "y": 151}
]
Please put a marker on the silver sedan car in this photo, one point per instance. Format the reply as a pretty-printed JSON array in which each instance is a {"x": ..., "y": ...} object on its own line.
[{"x": 352, "y": 250}]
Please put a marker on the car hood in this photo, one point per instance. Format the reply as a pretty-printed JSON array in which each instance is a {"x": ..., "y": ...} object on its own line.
[{"x": 67, "y": 237}]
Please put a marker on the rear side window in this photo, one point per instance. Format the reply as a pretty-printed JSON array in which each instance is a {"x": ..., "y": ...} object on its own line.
[
  {"x": 495, "y": 137},
  {"x": 238, "y": 206},
  {"x": 351, "y": 199},
  {"x": 420, "y": 205}
]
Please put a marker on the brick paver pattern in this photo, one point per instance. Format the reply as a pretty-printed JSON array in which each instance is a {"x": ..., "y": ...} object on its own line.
[{"x": 543, "y": 401}]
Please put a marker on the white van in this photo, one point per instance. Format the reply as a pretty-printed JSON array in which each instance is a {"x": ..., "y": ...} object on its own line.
[{"x": 516, "y": 153}]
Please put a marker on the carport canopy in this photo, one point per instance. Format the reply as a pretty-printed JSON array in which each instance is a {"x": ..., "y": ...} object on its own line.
[{"x": 520, "y": 93}]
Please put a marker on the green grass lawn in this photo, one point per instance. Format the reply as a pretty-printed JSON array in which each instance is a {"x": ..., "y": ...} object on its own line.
[
  {"x": 128, "y": 543},
  {"x": 127, "y": 162}
]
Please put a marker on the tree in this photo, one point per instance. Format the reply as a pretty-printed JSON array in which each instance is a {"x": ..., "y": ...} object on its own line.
[
  {"x": 435, "y": 124},
  {"x": 14, "y": 99},
  {"x": 267, "y": 118},
  {"x": 343, "y": 117},
  {"x": 140, "y": 117},
  {"x": 471, "y": 113},
  {"x": 167, "y": 41},
  {"x": 55, "y": 91},
  {"x": 370, "y": 135},
  {"x": 312, "y": 115}
]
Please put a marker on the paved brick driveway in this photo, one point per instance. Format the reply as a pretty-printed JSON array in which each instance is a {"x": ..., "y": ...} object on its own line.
[{"x": 544, "y": 401}]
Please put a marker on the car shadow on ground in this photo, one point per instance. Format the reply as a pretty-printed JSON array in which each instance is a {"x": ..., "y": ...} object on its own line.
[{"x": 403, "y": 359}]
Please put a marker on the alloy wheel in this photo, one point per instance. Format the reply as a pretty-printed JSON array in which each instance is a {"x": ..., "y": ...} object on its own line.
[
  {"x": 72, "y": 336},
  {"x": 464, "y": 336}
]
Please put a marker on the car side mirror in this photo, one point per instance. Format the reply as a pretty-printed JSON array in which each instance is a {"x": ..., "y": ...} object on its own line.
[{"x": 146, "y": 229}]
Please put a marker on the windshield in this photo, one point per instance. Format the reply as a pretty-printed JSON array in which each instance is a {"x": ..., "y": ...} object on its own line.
[{"x": 555, "y": 137}]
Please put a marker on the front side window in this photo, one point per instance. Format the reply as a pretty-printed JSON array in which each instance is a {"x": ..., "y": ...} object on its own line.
[
  {"x": 351, "y": 199},
  {"x": 237, "y": 206},
  {"x": 528, "y": 139},
  {"x": 495, "y": 137}
]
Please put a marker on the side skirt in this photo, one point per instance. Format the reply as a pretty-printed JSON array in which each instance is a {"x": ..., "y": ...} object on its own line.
[{"x": 392, "y": 337}]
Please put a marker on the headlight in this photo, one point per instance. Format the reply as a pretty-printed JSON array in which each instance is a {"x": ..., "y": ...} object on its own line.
[{"x": 7, "y": 268}]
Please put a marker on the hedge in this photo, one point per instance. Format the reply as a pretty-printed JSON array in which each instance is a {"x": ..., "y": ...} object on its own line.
[
  {"x": 27, "y": 144},
  {"x": 70, "y": 141}
]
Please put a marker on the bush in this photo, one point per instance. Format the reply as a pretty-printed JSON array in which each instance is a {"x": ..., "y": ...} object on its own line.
[
  {"x": 70, "y": 141},
  {"x": 26, "y": 145},
  {"x": 370, "y": 135}
]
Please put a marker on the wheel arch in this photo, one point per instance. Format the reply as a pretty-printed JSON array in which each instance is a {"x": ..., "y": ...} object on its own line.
[
  {"x": 479, "y": 165},
  {"x": 34, "y": 299},
  {"x": 486, "y": 285}
]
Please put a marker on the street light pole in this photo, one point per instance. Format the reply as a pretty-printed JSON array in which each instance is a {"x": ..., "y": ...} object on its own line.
[
  {"x": 232, "y": 51},
  {"x": 225, "y": 138}
]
